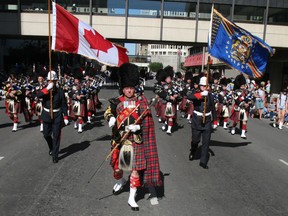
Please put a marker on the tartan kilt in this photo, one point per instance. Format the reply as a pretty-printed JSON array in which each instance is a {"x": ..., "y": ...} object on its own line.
[
  {"x": 183, "y": 104},
  {"x": 69, "y": 103},
  {"x": 91, "y": 105},
  {"x": 190, "y": 108},
  {"x": 162, "y": 111},
  {"x": 82, "y": 112},
  {"x": 158, "y": 107},
  {"x": 219, "y": 108},
  {"x": 234, "y": 115}
]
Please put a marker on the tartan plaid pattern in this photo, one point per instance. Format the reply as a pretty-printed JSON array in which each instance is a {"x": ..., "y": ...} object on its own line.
[{"x": 145, "y": 154}]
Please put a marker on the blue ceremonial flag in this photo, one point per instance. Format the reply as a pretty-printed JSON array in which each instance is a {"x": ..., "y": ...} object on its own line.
[{"x": 237, "y": 47}]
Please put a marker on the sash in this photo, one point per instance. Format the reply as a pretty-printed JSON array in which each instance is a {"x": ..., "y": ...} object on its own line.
[{"x": 127, "y": 112}]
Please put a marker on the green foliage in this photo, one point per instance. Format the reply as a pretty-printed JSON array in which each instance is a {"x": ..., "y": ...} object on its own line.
[{"x": 155, "y": 66}]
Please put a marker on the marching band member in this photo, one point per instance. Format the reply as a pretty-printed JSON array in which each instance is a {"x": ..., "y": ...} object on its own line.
[
  {"x": 198, "y": 126},
  {"x": 79, "y": 97},
  {"x": 52, "y": 125},
  {"x": 241, "y": 106},
  {"x": 13, "y": 93},
  {"x": 134, "y": 143}
]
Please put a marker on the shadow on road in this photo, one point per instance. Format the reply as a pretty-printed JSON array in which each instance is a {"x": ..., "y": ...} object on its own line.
[
  {"x": 160, "y": 190},
  {"x": 73, "y": 148},
  {"x": 6, "y": 125},
  {"x": 228, "y": 144}
]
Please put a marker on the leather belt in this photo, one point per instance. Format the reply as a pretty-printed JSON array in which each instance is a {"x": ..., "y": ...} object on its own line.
[
  {"x": 201, "y": 114},
  {"x": 54, "y": 110}
]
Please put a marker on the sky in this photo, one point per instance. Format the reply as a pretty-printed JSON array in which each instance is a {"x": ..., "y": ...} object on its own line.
[{"x": 131, "y": 47}]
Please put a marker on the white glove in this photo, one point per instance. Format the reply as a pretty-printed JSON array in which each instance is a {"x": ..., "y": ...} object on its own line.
[
  {"x": 204, "y": 93},
  {"x": 133, "y": 128},
  {"x": 112, "y": 121},
  {"x": 66, "y": 121},
  {"x": 50, "y": 86}
]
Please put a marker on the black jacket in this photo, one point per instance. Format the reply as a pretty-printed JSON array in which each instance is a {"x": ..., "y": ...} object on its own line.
[{"x": 59, "y": 102}]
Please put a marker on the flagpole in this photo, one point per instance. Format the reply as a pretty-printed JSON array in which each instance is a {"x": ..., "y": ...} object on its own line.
[
  {"x": 50, "y": 64},
  {"x": 208, "y": 64}
]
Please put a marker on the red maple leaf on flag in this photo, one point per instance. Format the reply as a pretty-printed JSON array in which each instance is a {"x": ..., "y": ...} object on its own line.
[{"x": 97, "y": 41}]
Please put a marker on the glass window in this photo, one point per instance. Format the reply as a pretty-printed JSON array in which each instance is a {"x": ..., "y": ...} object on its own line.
[
  {"x": 205, "y": 10},
  {"x": 164, "y": 53},
  {"x": 278, "y": 15},
  {"x": 8, "y": 5},
  {"x": 249, "y": 14},
  {"x": 144, "y": 8},
  {"x": 179, "y": 9},
  {"x": 32, "y": 5}
]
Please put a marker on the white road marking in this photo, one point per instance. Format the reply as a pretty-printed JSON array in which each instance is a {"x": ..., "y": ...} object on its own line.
[
  {"x": 1, "y": 158},
  {"x": 284, "y": 162}
]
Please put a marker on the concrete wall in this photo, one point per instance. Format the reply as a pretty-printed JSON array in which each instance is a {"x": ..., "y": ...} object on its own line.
[{"x": 174, "y": 30}]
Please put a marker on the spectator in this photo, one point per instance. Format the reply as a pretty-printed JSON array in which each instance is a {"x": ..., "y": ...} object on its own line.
[
  {"x": 267, "y": 90},
  {"x": 260, "y": 98},
  {"x": 272, "y": 109},
  {"x": 281, "y": 108}
]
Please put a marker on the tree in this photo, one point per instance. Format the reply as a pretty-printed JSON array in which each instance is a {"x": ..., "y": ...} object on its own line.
[{"x": 155, "y": 66}]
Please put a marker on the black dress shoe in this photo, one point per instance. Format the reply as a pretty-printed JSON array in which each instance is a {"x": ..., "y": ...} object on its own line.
[
  {"x": 134, "y": 208},
  {"x": 50, "y": 153},
  {"x": 204, "y": 166},
  {"x": 119, "y": 191},
  {"x": 55, "y": 159}
]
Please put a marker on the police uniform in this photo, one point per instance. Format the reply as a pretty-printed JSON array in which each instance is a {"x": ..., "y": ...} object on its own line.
[
  {"x": 198, "y": 127},
  {"x": 53, "y": 125}
]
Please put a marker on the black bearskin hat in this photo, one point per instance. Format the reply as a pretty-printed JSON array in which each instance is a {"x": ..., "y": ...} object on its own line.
[
  {"x": 169, "y": 70},
  {"x": 196, "y": 80},
  {"x": 239, "y": 80},
  {"x": 77, "y": 73},
  {"x": 188, "y": 76},
  {"x": 161, "y": 75},
  {"x": 216, "y": 76},
  {"x": 223, "y": 81},
  {"x": 178, "y": 75},
  {"x": 128, "y": 75},
  {"x": 42, "y": 74},
  {"x": 89, "y": 71}
]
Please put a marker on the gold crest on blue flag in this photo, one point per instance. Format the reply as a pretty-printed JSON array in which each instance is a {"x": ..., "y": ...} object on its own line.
[{"x": 237, "y": 47}]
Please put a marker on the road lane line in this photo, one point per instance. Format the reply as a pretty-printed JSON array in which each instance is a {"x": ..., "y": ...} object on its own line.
[
  {"x": 284, "y": 162},
  {"x": 1, "y": 158}
]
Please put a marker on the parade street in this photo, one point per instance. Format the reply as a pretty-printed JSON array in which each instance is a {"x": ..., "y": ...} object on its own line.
[{"x": 245, "y": 177}]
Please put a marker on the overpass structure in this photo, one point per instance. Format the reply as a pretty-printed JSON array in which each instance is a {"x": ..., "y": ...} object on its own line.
[{"x": 184, "y": 22}]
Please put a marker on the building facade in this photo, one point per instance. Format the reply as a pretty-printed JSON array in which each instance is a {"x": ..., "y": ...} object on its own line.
[{"x": 177, "y": 22}]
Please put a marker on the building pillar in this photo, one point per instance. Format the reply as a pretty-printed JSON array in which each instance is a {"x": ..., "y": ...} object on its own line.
[{"x": 275, "y": 70}]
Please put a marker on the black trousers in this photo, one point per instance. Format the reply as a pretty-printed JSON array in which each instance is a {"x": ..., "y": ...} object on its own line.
[
  {"x": 206, "y": 136},
  {"x": 52, "y": 134}
]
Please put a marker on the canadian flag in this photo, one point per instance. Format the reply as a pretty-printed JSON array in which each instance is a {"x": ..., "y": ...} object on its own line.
[{"x": 74, "y": 36}]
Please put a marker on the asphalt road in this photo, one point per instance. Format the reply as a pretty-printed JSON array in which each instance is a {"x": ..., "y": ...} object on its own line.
[{"x": 245, "y": 177}]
